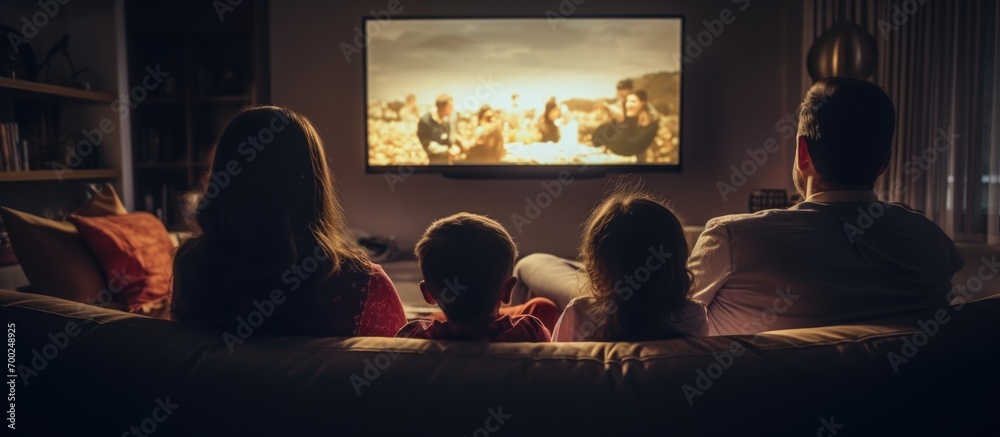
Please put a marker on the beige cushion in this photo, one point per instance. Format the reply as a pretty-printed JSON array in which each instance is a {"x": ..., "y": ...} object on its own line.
[{"x": 54, "y": 257}]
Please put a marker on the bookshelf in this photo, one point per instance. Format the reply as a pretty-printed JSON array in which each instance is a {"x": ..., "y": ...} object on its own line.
[
  {"x": 20, "y": 92},
  {"x": 24, "y": 89},
  {"x": 54, "y": 110},
  {"x": 218, "y": 67}
]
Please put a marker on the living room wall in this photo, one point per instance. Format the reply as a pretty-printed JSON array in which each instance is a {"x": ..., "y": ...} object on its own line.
[{"x": 738, "y": 86}]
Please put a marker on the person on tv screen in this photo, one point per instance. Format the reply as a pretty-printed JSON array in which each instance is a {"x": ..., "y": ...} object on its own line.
[
  {"x": 617, "y": 110},
  {"x": 409, "y": 111},
  {"x": 514, "y": 113},
  {"x": 487, "y": 145},
  {"x": 632, "y": 136},
  {"x": 547, "y": 126},
  {"x": 436, "y": 133}
]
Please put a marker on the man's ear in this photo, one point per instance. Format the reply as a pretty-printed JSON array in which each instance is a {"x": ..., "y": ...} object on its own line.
[
  {"x": 425, "y": 289},
  {"x": 803, "y": 161},
  {"x": 508, "y": 288}
]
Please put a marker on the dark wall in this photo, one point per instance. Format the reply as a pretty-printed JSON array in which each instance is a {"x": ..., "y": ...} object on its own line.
[{"x": 744, "y": 81}]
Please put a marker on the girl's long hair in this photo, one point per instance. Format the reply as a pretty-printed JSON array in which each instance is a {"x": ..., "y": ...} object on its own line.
[
  {"x": 635, "y": 254},
  {"x": 268, "y": 206}
]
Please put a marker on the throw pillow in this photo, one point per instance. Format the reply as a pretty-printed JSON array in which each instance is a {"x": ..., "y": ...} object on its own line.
[
  {"x": 54, "y": 257},
  {"x": 133, "y": 248}
]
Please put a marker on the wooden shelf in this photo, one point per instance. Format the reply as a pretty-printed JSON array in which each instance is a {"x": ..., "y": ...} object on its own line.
[
  {"x": 41, "y": 91},
  {"x": 52, "y": 175}
]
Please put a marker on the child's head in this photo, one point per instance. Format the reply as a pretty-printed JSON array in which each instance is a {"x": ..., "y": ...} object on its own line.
[
  {"x": 635, "y": 253},
  {"x": 467, "y": 261}
]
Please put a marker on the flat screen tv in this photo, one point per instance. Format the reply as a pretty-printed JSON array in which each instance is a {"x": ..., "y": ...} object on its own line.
[{"x": 523, "y": 96}]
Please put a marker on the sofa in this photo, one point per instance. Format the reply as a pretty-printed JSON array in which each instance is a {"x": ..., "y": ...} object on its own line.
[{"x": 84, "y": 370}]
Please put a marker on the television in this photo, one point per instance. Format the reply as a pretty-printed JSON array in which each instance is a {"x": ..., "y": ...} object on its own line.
[{"x": 523, "y": 96}]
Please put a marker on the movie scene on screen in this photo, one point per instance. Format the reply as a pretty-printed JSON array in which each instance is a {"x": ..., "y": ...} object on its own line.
[{"x": 523, "y": 91}]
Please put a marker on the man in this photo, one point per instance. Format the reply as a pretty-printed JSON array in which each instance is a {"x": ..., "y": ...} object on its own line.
[
  {"x": 839, "y": 256},
  {"x": 436, "y": 133},
  {"x": 617, "y": 108}
]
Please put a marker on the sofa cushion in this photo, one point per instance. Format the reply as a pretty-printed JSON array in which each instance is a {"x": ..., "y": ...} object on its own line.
[
  {"x": 781, "y": 383},
  {"x": 135, "y": 252},
  {"x": 54, "y": 257}
]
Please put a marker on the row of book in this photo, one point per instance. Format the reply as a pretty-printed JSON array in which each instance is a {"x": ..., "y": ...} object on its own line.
[{"x": 13, "y": 150}]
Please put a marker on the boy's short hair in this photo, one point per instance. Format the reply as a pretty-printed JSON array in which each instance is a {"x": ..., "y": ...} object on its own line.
[{"x": 466, "y": 258}]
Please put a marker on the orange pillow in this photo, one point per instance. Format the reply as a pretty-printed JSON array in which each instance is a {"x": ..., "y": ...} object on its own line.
[{"x": 134, "y": 248}]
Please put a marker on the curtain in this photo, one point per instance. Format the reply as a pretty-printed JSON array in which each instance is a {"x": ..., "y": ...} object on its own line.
[{"x": 939, "y": 62}]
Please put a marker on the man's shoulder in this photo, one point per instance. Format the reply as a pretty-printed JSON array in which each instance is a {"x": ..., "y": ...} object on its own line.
[
  {"x": 755, "y": 220},
  {"x": 808, "y": 215}
]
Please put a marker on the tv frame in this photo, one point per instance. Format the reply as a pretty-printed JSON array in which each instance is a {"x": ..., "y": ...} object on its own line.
[{"x": 523, "y": 171}]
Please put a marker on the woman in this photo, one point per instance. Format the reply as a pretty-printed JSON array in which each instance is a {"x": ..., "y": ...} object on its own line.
[
  {"x": 547, "y": 123},
  {"x": 634, "y": 135},
  {"x": 634, "y": 256},
  {"x": 273, "y": 240},
  {"x": 487, "y": 144}
]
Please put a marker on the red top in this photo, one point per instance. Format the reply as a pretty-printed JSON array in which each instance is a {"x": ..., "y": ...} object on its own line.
[
  {"x": 523, "y": 328},
  {"x": 353, "y": 303},
  {"x": 382, "y": 315}
]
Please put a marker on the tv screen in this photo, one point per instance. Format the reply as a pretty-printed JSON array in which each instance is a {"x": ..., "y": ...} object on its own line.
[{"x": 502, "y": 93}]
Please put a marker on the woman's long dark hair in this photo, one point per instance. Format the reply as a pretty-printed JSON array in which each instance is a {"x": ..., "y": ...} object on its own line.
[
  {"x": 628, "y": 235},
  {"x": 269, "y": 204}
]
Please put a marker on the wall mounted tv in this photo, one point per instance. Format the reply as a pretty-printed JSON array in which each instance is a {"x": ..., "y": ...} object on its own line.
[{"x": 495, "y": 97}]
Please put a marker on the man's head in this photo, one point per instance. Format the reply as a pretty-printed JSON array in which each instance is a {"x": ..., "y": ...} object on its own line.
[
  {"x": 467, "y": 261},
  {"x": 444, "y": 104},
  {"x": 845, "y": 135},
  {"x": 624, "y": 88}
]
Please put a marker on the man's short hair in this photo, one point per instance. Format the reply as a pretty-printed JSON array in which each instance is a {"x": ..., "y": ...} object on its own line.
[
  {"x": 466, "y": 257},
  {"x": 442, "y": 101},
  {"x": 625, "y": 84},
  {"x": 848, "y": 126}
]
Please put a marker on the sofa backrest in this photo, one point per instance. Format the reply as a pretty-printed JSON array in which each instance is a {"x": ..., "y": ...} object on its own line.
[{"x": 86, "y": 370}]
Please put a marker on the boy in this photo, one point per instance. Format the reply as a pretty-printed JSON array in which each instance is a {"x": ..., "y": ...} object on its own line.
[{"x": 467, "y": 261}]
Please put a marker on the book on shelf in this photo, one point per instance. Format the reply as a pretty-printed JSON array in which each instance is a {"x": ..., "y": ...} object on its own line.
[{"x": 13, "y": 150}]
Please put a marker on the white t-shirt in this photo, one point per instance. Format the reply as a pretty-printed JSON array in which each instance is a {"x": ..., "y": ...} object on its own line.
[
  {"x": 838, "y": 257},
  {"x": 577, "y": 320}
]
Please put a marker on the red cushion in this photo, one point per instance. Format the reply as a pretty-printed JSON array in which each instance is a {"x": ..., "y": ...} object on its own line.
[{"x": 135, "y": 252}]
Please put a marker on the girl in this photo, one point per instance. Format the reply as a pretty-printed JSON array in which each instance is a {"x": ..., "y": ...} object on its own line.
[{"x": 634, "y": 256}]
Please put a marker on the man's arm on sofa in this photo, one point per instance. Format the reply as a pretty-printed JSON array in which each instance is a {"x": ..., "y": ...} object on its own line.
[{"x": 710, "y": 262}]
